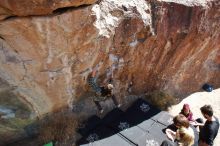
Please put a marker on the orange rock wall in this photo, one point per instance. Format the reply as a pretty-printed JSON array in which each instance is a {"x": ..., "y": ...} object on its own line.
[
  {"x": 36, "y": 7},
  {"x": 47, "y": 58}
]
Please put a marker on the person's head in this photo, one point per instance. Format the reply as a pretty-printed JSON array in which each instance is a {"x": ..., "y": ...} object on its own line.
[
  {"x": 180, "y": 121},
  {"x": 186, "y": 109},
  {"x": 206, "y": 111},
  {"x": 185, "y": 136}
]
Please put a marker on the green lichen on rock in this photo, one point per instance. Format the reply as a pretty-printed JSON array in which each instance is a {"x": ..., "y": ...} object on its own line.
[
  {"x": 14, "y": 114},
  {"x": 160, "y": 99},
  {"x": 11, "y": 101}
]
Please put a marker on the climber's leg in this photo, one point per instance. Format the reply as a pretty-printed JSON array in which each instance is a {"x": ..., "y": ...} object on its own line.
[
  {"x": 98, "y": 106},
  {"x": 115, "y": 101}
]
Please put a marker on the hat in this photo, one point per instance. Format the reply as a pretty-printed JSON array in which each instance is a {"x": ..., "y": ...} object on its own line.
[
  {"x": 110, "y": 86},
  {"x": 186, "y": 106}
]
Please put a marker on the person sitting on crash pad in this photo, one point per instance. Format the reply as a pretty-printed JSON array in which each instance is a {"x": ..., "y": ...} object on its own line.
[
  {"x": 184, "y": 134},
  {"x": 102, "y": 92},
  {"x": 189, "y": 115},
  {"x": 187, "y": 112}
]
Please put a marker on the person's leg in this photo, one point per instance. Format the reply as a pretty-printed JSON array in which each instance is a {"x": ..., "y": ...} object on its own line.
[
  {"x": 199, "y": 128},
  {"x": 98, "y": 105},
  {"x": 92, "y": 83},
  {"x": 167, "y": 143},
  {"x": 172, "y": 127},
  {"x": 115, "y": 101},
  {"x": 170, "y": 134}
]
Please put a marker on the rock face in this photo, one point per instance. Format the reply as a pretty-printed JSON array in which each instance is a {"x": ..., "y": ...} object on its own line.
[
  {"x": 36, "y": 7},
  {"x": 145, "y": 45}
]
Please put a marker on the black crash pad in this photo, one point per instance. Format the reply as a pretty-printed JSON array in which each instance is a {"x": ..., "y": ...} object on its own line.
[
  {"x": 136, "y": 135},
  {"x": 96, "y": 134},
  {"x": 156, "y": 130},
  {"x": 120, "y": 124},
  {"x": 140, "y": 111},
  {"x": 164, "y": 118},
  {"x": 115, "y": 140},
  {"x": 112, "y": 116},
  {"x": 146, "y": 125},
  {"x": 89, "y": 125}
]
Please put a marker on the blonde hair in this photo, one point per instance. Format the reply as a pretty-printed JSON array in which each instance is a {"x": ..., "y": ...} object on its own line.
[{"x": 185, "y": 136}]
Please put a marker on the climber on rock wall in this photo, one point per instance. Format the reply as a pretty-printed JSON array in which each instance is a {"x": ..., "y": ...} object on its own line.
[{"x": 101, "y": 92}]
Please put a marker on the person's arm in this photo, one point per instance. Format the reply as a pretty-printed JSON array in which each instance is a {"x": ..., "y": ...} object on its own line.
[
  {"x": 92, "y": 82},
  {"x": 195, "y": 123},
  {"x": 171, "y": 134},
  {"x": 190, "y": 118},
  {"x": 93, "y": 73}
]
